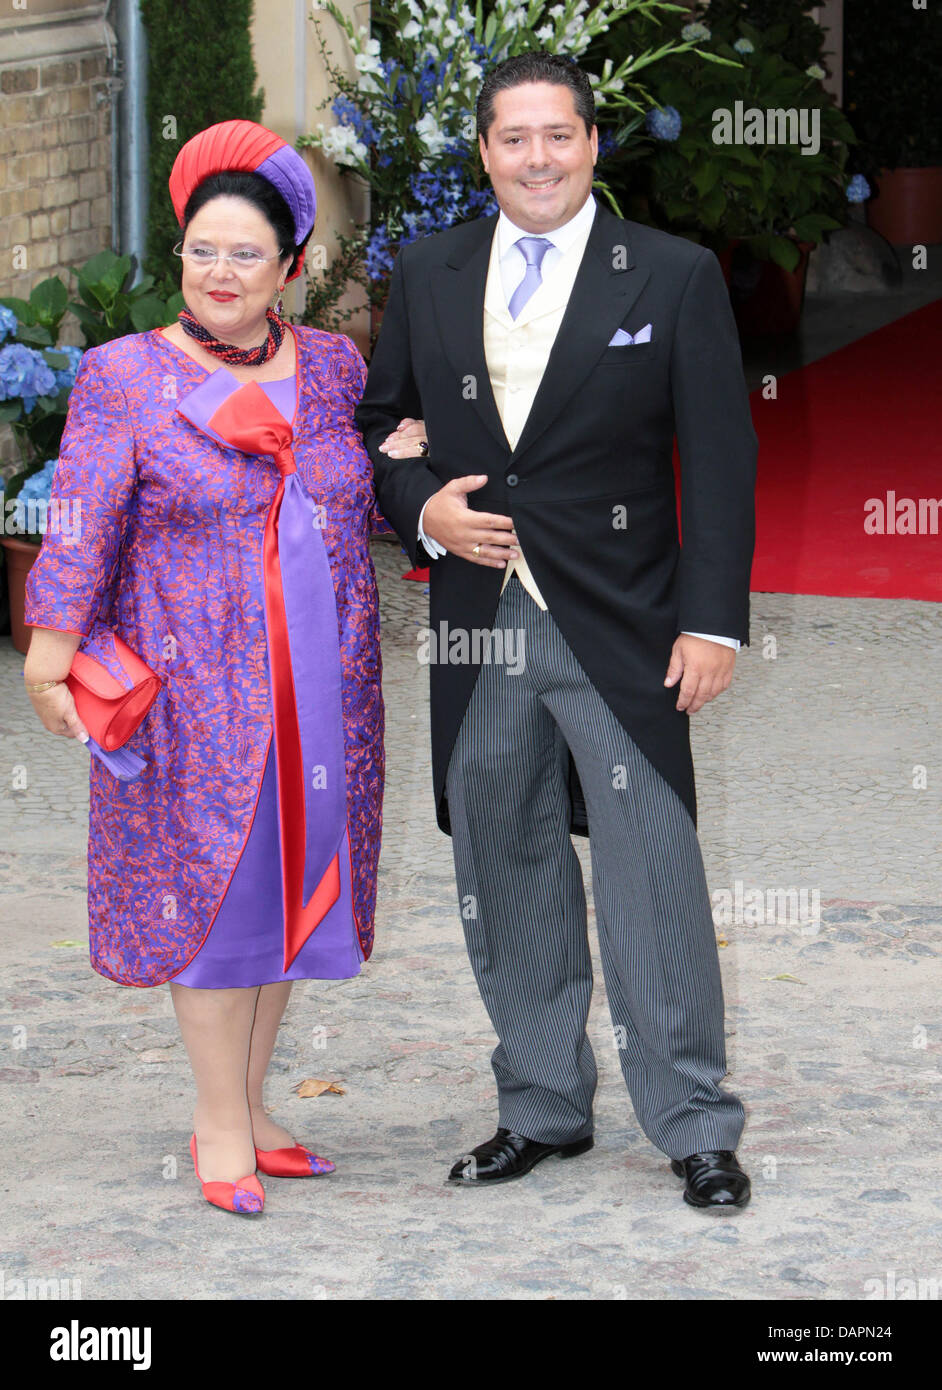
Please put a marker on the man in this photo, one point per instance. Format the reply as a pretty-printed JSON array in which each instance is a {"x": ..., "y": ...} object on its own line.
[{"x": 552, "y": 352}]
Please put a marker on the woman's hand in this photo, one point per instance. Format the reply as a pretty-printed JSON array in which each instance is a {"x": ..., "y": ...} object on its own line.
[
  {"x": 404, "y": 441},
  {"x": 56, "y": 709},
  {"x": 49, "y": 659}
]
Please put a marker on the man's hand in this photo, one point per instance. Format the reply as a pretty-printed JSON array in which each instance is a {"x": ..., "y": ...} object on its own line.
[
  {"x": 450, "y": 521},
  {"x": 706, "y": 667}
]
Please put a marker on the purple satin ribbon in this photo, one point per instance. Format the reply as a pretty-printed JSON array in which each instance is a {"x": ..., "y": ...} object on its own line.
[
  {"x": 120, "y": 762},
  {"x": 311, "y": 611}
]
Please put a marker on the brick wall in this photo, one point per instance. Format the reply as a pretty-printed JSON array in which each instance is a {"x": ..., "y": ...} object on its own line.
[{"x": 55, "y": 174}]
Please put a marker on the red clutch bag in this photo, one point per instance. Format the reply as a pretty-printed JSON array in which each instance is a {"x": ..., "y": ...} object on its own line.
[{"x": 113, "y": 690}]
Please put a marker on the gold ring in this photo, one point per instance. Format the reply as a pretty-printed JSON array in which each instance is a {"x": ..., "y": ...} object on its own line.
[
  {"x": 476, "y": 549},
  {"x": 423, "y": 447}
]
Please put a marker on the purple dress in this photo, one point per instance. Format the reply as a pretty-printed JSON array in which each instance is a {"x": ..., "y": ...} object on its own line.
[
  {"x": 184, "y": 871},
  {"x": 245, "y": 942}
]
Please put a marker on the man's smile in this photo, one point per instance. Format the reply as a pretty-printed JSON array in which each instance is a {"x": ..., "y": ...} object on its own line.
[{"x": 538, "y": 185}]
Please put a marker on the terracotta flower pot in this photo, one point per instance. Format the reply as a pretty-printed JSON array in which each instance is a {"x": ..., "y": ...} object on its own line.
[
  {"x": 19, "y": 557},
  {"x": 766, "y": 298},
  {"x": 908, "y": 208}
]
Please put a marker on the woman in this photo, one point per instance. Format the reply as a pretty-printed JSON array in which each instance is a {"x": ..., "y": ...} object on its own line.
[{"x": 226, "y": 510}]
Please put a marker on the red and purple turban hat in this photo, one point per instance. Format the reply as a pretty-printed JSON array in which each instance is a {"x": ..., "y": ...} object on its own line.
[{"x": 244, "y": 147}]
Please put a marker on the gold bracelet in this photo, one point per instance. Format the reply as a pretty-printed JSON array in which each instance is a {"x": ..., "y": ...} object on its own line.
[{"x": 44, "y": 685}]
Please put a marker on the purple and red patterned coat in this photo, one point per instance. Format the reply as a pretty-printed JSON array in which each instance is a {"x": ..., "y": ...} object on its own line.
[{"x": 169, "y": 556}]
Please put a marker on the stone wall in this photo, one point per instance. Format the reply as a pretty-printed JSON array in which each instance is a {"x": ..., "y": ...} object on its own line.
[{"x": 55, "y": 149}]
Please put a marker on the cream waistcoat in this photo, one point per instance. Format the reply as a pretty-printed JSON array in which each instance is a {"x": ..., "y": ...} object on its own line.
[{"x": 517, "y": 350}]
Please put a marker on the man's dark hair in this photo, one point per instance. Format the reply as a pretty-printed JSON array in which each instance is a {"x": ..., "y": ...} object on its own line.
[
  {"x": 262, "y": 195},
  {"x": 536, "y": 66}
]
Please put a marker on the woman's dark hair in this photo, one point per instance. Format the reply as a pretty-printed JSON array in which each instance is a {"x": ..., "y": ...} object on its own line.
[
  {"x": 536, "y": 66},
  {"x": 262, "y": 195}
]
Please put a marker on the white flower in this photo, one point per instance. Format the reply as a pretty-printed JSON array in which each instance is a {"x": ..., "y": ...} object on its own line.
[
  {"x": 815, "y": 71},
  {"x": 366, "y": 44},
  {"x": 365, "y": 62},
  {"x": 412, "y": 30},
  {"x": 555, "y": 11},
  {"x": 430, "y": 133},
  {"x": 546, "y": 33},
  {"x": 693, "y": 33},
  {"x": 340, "y": 144}
]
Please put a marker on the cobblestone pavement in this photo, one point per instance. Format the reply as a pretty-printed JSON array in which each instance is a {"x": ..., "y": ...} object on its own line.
[{"x": 819, "y": 771}]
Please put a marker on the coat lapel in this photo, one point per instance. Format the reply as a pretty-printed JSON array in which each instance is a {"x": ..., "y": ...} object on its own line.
[
  {"x": 607, "y": 284},
  {"x": 458, "y": 295}
]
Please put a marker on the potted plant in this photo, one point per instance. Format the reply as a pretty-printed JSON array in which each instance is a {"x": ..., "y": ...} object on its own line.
[
  {"x": 37, "y": 374},
  {"x": 891, "y": 80},
  {"x": 405, "y": 124},
  {"x": 758, "y": 187}
]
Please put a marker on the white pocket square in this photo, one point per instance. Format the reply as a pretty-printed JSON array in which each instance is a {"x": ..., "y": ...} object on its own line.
[{"x": 621, "y": 338}]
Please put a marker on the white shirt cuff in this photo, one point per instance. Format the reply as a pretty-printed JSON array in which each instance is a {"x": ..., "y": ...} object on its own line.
[
  {"x": 433, "y": 547},
  {"x": 733, "y": 642}
]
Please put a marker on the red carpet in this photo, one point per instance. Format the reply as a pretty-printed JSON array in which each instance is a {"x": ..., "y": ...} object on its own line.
[{"x": 858, "y": 425}]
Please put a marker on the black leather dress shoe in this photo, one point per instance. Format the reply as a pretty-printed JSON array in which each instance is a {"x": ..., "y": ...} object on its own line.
[
  {"x": 508, "y": 1156},
  {"x": 714, "y": 1179}
]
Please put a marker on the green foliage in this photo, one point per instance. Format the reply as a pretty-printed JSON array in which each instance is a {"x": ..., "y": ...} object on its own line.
[
  {"x": 200, "y": 71},
  {"x": 106, "y": 308},
  {"x": 797, "y": 37},
  {"x": 769, "y": 195}
]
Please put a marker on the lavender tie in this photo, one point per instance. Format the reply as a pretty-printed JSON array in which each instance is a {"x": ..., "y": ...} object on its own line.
[{"x": 534, "y": 248}]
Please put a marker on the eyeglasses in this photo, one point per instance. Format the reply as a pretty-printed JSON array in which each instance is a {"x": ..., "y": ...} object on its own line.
[{"x": 206, "y": 256}]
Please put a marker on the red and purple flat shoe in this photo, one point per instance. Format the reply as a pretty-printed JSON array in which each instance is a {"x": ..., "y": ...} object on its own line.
[
  {"x": 247, "y": 1196},
  {"x": 296, "y": 1162}
]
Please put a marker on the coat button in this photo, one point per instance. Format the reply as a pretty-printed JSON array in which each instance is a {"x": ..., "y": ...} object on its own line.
[{"x": 511, "y": 480}]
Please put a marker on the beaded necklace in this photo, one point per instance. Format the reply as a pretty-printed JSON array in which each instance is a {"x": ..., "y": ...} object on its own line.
[{"x": 236, "y": 356}]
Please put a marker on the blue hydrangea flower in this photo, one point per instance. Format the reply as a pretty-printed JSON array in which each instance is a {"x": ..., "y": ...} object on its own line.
[
  {"x": 38, "y": 490},
  {"x": 40, "y": 484},
  {"x": 65, "y": 376},
  {"x": 858, "y": 190},
  {"x": 695, "y": 33},
  {"x": 744, "y": 46},
  {"x": 663, "y": 125},
  {"x": 24, "y": 372},
  {"x": 8, "y": 323}
]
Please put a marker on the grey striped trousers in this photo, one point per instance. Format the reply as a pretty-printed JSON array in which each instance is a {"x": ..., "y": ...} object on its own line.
[{"x": 523, "y": 905}]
